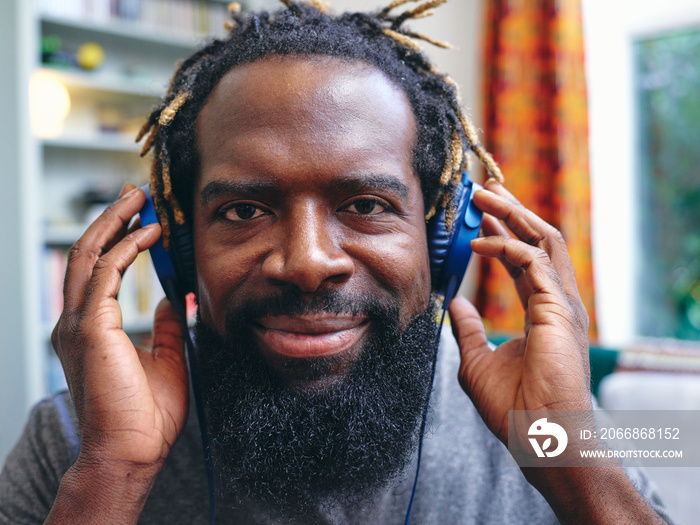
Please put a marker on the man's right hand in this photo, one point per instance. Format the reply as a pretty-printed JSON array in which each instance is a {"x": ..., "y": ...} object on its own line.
[{"x": 131, "y": 404}]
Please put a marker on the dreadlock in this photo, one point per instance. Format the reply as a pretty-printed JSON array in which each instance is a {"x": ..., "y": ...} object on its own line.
[{"x": 445, "y": 133}]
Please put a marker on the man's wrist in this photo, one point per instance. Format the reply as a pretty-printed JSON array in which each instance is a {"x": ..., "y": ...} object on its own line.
[
  {"x": 95, "y": 490},
  {"x": 591, "y": 495}
]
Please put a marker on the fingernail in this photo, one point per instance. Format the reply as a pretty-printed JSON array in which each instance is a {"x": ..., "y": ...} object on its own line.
[
  {"x": 151, "y": 227},
  {"x": 130, "y": 193},
  {"x": 127, "y": 188}
]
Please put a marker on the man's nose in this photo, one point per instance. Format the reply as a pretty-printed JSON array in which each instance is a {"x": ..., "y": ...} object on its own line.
[{"x": 308, "y": 254}]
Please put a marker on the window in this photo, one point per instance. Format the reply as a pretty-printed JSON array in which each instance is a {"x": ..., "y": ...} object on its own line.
[
  {"x": 635, "y": 293},
  {"x": 667, "y": 83}
]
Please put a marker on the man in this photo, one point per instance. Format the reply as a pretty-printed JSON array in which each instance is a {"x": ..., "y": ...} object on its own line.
[{"x": 304, "y": 154}]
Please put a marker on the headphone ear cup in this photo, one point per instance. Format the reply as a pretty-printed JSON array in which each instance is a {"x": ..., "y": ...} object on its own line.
[
  {"x": 439, "y": 241},
  {"x": 175, "y": 267},
  {"x": 450, "y": 248}
]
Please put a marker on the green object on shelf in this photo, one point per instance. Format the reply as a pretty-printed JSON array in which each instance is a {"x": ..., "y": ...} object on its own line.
[
  {"x": 51, "y": 44},
  {"x": 52, "y": 52}
]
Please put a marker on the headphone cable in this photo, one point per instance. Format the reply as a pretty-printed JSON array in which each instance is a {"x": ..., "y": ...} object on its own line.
[
  {"x": 180, "y": 308},
  {"x": 425, "y": 417}
]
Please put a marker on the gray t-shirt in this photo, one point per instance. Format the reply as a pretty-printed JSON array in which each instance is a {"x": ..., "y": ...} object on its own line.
[{"x": 465, "y": 476}]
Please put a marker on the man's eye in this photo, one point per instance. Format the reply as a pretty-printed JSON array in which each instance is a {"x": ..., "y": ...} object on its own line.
[
  {"x": 242, "y": 212},
  {"x": 366, "y": 207}
]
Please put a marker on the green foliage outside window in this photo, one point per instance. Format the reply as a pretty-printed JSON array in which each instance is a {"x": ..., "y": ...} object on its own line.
[{"x": 668, "y": 87}]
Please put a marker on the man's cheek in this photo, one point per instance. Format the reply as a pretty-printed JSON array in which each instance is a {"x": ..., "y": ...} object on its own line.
[
  {"x": 214, "y": 289},
  {"x": 220, "y": 276},
  {"x": 405, "y": 273},
  {"x": 417, "y": 288}
]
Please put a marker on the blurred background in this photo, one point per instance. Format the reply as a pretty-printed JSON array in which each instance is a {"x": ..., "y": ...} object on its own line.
[{"x": 591, "y": 107}]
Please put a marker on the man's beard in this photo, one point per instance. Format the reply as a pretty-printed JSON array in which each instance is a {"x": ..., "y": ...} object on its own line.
[{"x": 291, "y": 450}]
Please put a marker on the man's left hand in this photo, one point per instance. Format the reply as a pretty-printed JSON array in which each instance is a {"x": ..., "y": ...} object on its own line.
[{"x": 547, "y": 368}]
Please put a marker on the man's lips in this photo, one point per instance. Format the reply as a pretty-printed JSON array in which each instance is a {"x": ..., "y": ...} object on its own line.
[{"x": 309, "y": 336}]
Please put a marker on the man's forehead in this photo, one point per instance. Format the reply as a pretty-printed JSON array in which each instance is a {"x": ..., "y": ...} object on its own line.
[
  {"x": 315, "y": 87},
  {"x": 278, "y": 111}
]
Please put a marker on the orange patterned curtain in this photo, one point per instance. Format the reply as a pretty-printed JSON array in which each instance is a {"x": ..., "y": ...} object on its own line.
[{"x": 537, "y": 129}]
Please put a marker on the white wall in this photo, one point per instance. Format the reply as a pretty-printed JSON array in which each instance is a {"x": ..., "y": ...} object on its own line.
[
  {"x": 457, "y": 22},
  {"x": 610, "y": 29},
  {"x": 19, "y": 294}
]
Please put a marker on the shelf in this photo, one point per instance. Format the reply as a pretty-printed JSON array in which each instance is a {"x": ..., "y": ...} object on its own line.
[
  {"x": 116, "y": 142},
  {"x": 88, "y": 161},
  {"x": 131, "y": 30},
  {"x": 109, "y": 83},
  {"x": 64, "y": 235}
]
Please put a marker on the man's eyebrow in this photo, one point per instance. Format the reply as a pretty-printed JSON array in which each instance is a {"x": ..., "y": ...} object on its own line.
[
  {"x": 349, "y": 183},
  {"x": 218, "y": 188},
  {"x": 371, "y": 182}
]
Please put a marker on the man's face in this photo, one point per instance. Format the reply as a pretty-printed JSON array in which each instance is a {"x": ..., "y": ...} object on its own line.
[
  {"x": 314, "y": 338},
  {"x": 306, "y": 184}
]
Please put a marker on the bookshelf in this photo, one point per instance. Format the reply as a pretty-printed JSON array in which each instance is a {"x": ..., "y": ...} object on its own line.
[
  {"x": 56, "y": 181},
  {"x": 82, "y": 167}
]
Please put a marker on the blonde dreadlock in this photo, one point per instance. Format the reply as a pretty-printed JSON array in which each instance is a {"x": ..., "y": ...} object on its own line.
[{"x": 455, "y": 161}]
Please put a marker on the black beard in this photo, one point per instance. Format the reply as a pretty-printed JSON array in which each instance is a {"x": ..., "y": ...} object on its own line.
[{"x": 292, "y": 450}]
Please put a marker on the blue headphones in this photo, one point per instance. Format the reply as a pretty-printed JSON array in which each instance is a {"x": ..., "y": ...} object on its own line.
[{"x": 450, "y": 249}]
